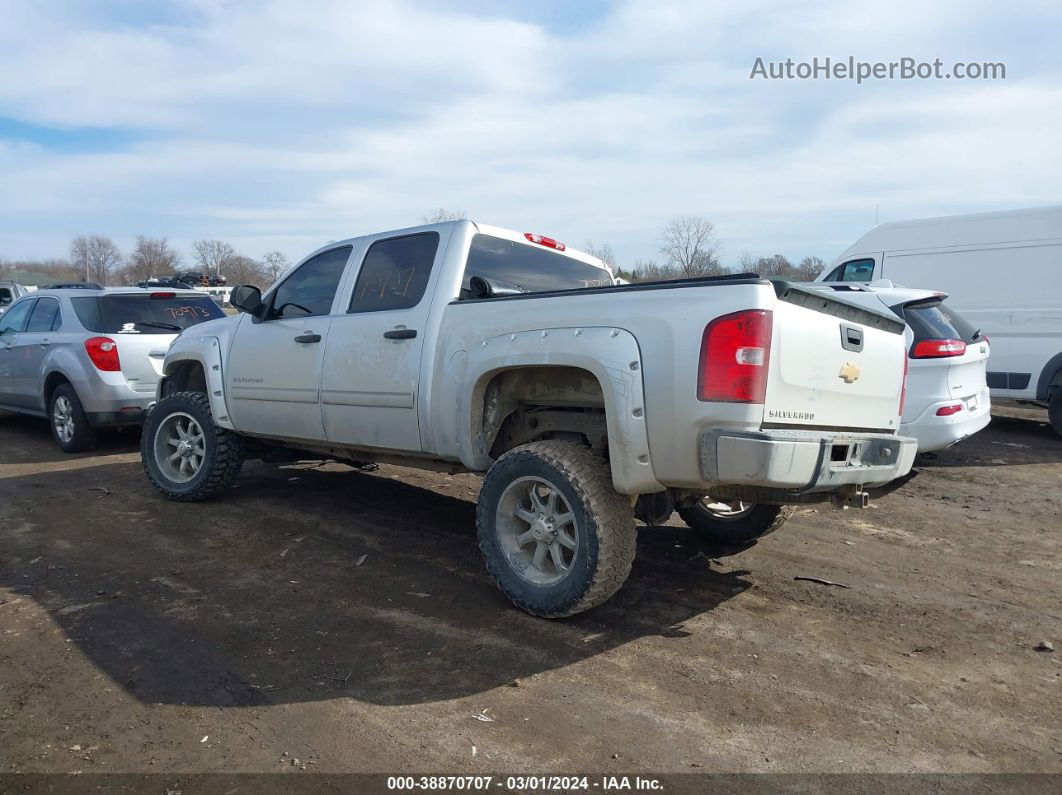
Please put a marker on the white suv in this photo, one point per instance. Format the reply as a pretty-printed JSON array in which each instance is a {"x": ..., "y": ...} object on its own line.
[{"x": 947, "y": 387}]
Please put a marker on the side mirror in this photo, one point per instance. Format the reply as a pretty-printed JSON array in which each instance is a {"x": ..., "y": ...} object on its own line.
[{"x": 246, "y": 298}]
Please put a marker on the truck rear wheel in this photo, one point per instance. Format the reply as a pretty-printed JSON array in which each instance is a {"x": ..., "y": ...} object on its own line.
[
  {"x": 186, "y": 456},
  {"x": 736, "y": 522},
  {"x": 557, "y": 538}
]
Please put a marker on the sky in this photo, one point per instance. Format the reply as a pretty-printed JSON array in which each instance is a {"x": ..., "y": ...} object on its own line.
[{"x": 283, "y": 125}]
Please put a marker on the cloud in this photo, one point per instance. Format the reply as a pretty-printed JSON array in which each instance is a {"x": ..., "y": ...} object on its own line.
[{"x": 288, "y": 124}]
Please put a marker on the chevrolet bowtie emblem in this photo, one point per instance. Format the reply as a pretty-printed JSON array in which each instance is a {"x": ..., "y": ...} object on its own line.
[{"x": 849, "y": 373}]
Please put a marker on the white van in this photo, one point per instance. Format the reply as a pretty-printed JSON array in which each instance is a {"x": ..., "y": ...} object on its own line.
[{"x": 1002, "y": 271}]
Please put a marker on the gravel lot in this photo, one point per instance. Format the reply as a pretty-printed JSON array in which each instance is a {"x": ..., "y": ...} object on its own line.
[{"x": 344, "y": 620}]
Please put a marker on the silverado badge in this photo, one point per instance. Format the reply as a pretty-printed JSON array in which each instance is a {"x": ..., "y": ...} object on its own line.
[{"x": 849, "y": 373}]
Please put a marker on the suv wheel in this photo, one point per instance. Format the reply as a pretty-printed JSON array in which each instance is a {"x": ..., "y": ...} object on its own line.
[
  {"x": 736, "y": 522},
  {"x": 186, "y": 456},
  {"x": 557, "y": 538},
  {"x": 70, "y": 426}
]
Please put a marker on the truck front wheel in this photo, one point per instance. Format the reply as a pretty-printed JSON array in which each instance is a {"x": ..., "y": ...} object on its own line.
[
  {"x": 186, "y": 456},
  {"x": 736, "y": 522},
  {"x": 557, "y": 538}
]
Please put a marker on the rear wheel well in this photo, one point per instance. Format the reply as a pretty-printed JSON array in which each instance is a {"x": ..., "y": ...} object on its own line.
[
  {"x": 530, "y": 404},
  {"x": 185, "y": 377},
  {"x": 51, "y": 383}
]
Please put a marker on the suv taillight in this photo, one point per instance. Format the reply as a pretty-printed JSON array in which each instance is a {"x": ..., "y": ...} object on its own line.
[
  {"x": 735, "y": 353},
  {"x": 937, "y": 349},
  {"x": 103, "y": 351}
]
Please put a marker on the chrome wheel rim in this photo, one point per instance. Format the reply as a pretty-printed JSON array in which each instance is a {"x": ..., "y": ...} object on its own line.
[
  {"x": 180, "y": 447},
  {"x": 726, "y": 511},
  {"x": 536, "y": 530},
  {"x": 63, "y": 419}
]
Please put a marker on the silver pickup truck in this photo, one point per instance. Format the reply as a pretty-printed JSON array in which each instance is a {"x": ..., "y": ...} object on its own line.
[{"x": 466, "y": 347}]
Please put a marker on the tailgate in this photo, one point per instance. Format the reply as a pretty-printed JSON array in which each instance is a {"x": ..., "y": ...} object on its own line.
[
  {"x": 967, "y": 374},
  {"x": 833, "y": 365},
  {"x": 142, "y": 371}
]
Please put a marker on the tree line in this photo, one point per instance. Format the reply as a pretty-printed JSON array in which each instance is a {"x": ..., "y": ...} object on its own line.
[
  {"x": 95, "y": 258},
  {"x": 689, "y": 247}
]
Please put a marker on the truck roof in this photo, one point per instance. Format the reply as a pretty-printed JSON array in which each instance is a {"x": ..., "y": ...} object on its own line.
[{"x": 487, "y": 229}]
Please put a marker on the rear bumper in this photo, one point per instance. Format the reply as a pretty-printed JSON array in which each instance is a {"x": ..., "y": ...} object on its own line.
[
  {"x": 936, "y": 433},
  {"x": 803, "y": 461}
]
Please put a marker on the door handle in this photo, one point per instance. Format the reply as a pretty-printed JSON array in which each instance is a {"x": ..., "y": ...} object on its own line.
[
  {"x": 400, "y": 334},
  {"x": 308, "y": 337}
]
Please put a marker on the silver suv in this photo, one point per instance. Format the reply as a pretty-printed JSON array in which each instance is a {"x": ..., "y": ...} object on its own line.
[
  {"x": 9, "y": 293},
  {"x": 89, "y": 357}
]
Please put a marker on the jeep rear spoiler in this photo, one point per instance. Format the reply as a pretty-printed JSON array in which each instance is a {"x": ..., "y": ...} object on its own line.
[{"x": 831, "y": 304}]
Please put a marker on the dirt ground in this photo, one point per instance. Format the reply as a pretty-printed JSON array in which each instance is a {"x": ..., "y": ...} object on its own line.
[{"x": 321, "y": 618}]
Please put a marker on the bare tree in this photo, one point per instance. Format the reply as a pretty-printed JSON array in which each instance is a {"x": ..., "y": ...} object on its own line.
[
  {"x": 274, "y": 263},
  {"x": 603, "y": 252},
  {"x": 212, "y": 255},
  {"x": 777, "y": 266},
  {"x": 652, "y": 271},
  {"x": 239, "y": 269},
  {"x": 151, "y": 257},
  {"x": 809, "y": 268},
  {"x": 689, "y": 245},
  {"x": 747, "y": 263},
  {"x": 441, "y": 214},
  {"x": 95, "y": 256}
]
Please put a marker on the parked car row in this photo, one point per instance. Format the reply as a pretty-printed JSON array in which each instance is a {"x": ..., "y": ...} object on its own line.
[{"x": 469, "y": 347}]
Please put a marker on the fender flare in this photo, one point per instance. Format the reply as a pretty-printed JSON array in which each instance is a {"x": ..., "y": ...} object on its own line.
[
  {"x": 611, "y": 355},
  {"x": 208, "y": 356}
]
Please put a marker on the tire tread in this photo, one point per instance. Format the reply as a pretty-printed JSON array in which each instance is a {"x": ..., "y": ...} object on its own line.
[
  {"x": 612, "y": 513},
  {"x": 227, "y": 459}
]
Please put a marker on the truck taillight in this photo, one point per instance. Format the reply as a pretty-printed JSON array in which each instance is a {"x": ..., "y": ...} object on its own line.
[
  {"x": 542, "y": 240},
  {"x": 103, "y": 351},
  {"x": 937, "y": 349},
  {"x": 735, "y": 353}
]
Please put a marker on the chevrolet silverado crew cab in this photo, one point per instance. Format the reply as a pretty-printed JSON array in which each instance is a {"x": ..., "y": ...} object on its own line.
[{"x": 466, "y": 347}]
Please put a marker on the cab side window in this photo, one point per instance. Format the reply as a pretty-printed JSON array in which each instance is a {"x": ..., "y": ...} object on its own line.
[
  {"x": 856, "y": 270},
  {"x": 395, "y": 273},
  {"x": 310, "y": 290},
  {"x": 14, "y": 320},
  {"x": 45, "y": 316}
]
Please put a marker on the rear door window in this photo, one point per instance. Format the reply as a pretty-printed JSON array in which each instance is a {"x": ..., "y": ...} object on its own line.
[
  {"x": 932, "y": 320},
  {"x": 513, "y": 267},
  {"x": 143, "y": 314},
  {"x": 45, "y": 316}
]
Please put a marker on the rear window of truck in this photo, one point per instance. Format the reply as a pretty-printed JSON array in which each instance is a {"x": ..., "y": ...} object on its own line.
[
  {"x": 519, "y": 268},
  {"x": 933, "y": 320},
  {"x": 143, "y": 314}
]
